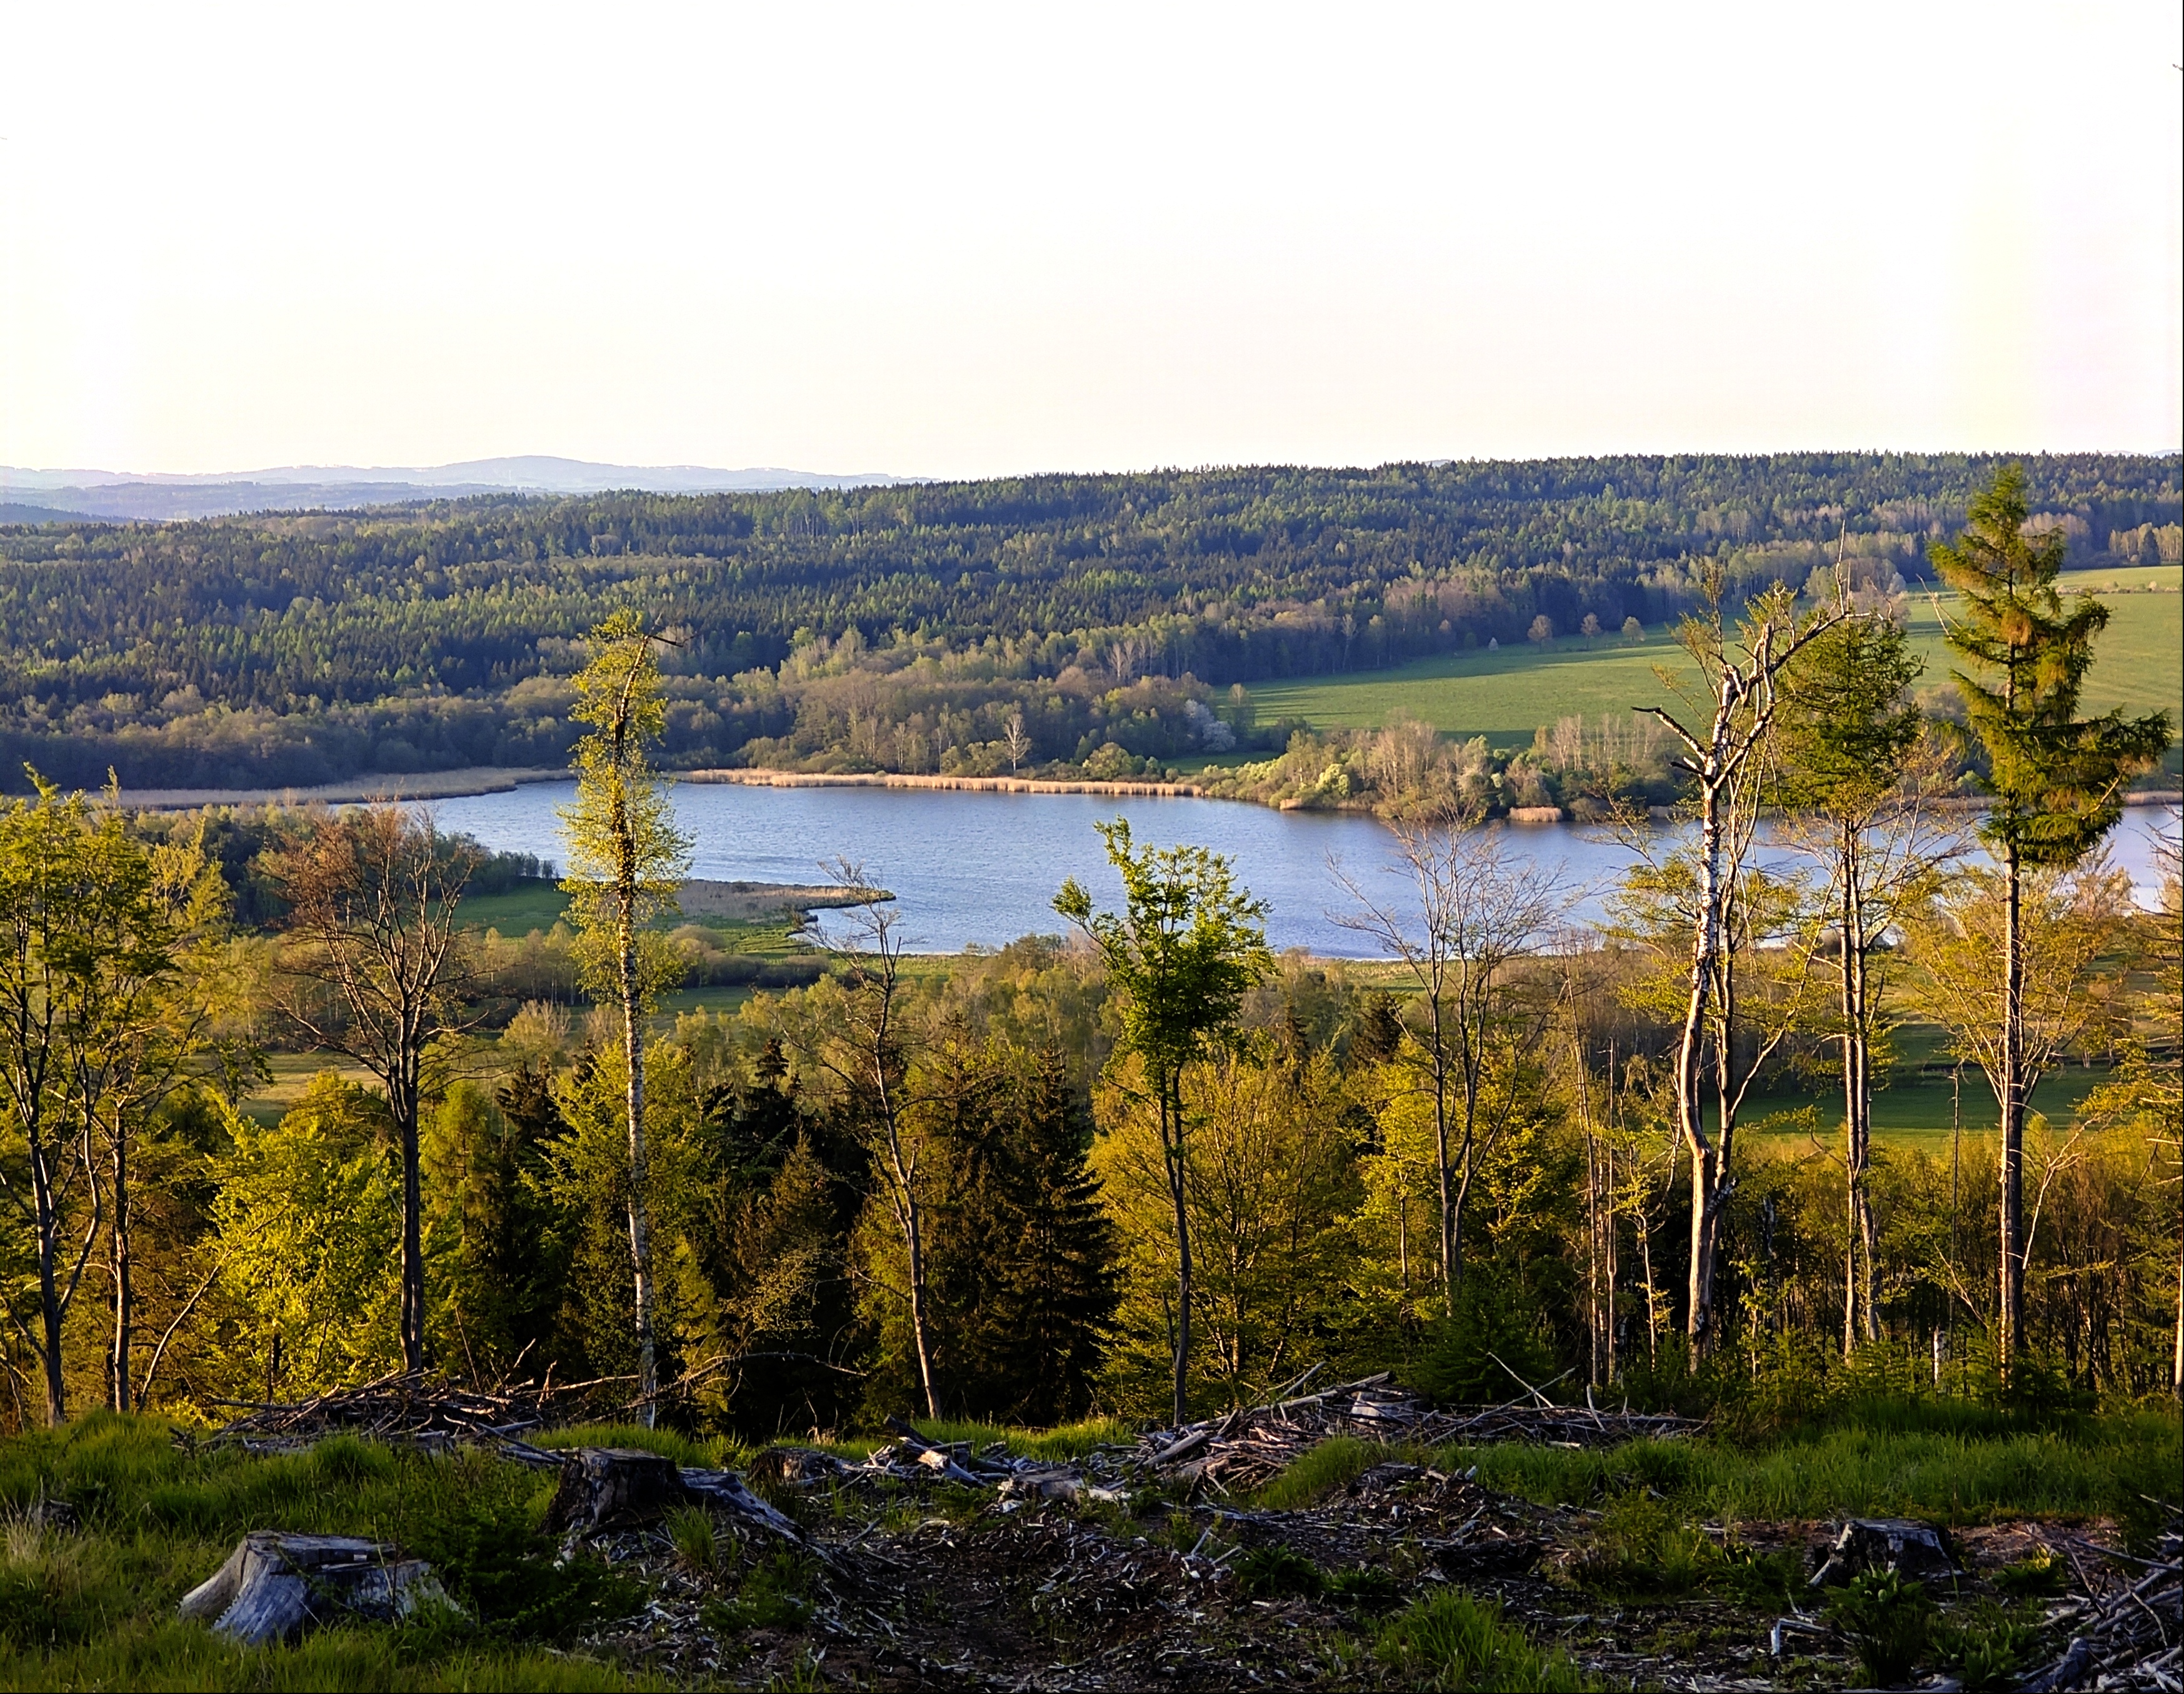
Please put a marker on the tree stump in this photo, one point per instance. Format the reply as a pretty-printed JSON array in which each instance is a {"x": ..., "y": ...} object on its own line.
[
  {"x": 614, "y": 1488},
  {"x": 796, "y": 1467},
  {"x": 276, "y": 1585},
  {"x": 1912, "y": 1549}
]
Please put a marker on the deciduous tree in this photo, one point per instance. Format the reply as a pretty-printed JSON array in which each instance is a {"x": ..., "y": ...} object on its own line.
[{"x": 627, "y": 862}]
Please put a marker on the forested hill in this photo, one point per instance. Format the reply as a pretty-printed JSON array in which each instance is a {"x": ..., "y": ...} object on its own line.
[{"x": 903, "y": 626}]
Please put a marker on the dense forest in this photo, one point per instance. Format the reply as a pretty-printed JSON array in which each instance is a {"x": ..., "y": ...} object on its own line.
[{"x": 1095, "y": 622}]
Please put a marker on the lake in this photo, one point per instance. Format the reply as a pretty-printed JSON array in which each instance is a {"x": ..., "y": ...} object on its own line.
[{"x": 977, "y": 868}]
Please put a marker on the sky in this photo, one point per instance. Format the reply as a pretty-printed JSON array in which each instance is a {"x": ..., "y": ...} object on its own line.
[{"x": 970, "y": 241}]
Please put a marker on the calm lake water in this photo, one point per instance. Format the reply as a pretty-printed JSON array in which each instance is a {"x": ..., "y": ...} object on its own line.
[
  {"x": 982, "y": 868},
  {"x": 975, "y": 867}
]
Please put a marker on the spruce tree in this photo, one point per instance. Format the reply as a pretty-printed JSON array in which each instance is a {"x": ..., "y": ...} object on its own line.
[{"x": 2057, "y": 780}]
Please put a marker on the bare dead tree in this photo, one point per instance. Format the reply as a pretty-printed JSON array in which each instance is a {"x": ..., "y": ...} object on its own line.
[
  {"x": 871, "y": 1056},
  {"x": 375, "y": 970},
  {"x": 1477, "y": 907},
  {"x": 1725, "y": 750}
]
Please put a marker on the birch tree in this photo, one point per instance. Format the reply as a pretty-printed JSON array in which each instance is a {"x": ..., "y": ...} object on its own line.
[
  {"x": 627, "y": 864},
  {"x": 1726, "y": 734},
  {"x": 1477, "y": 907}
]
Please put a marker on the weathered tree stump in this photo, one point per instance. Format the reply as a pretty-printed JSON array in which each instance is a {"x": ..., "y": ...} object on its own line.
[
  {"x": 796, "y": 1467},
  {"x": 614, "y": 1488},
  {"x": 276, "y": 1585},
  {"x": 1912, "y": 1549}
]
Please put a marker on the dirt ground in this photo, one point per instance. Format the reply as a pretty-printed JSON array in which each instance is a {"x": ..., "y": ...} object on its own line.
[{"x": 907, "y": 1586}]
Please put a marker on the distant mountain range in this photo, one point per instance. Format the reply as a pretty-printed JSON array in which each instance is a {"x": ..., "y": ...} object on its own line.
[{"x": 46, "y": 496}]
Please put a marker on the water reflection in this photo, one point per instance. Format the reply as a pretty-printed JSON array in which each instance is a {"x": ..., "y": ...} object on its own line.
[{"x": 982, "y": 868}]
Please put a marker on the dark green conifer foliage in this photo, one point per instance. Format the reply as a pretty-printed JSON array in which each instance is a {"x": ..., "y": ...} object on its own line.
[{"x": 2058, "y": 781}]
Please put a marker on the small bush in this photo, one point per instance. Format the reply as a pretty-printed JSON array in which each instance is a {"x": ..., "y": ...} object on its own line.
[
  {"x": 500, "y": 1568},
  {"x": 2040, "y": 1572},
  {"x": 1448, "y": 1641},
  {"x": 1987, "y": 1648},
  {"x": 1491, "y": 1337},
  {"x": 1642, "y": 1547},
  {"x": 1367, "y": 1589},
  {"x": 1275, "y": 1573},
  {"x": 1887, "y": 1617}
]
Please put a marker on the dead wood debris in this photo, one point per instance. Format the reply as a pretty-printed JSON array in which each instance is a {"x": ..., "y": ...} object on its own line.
[
  {"x": 1241, "y": 1451},
  {"x": 2131, "y": 1636},
  {"x": 408, "y": 1406}
]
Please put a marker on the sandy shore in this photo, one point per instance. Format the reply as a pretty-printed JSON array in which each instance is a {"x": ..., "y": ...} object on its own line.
[
  {"x": 422, "y": 785},
  {"x": 890, "y": 779}
]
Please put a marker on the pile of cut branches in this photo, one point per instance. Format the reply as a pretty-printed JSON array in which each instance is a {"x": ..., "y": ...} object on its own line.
[
  {"x": 408, "y": 1406},
  {"x": 1240, "y": 1451},
  {"x": 2132, "y": 1637}
]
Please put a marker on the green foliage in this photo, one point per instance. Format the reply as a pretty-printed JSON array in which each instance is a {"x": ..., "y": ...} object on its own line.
[
  {"x": 1275, "y": 1573},
  {"x": 773, "y": 1596},
  {"x": 1883, "y": 1467},
  {"x": 1888, "y": 1618},
  {"x": 1988, "y": 1646},
  {"x": 310, "y": 1216},
  {"x": 627, "y": 858},
  {"x": 1019, "y": 1251},
  {"x": 1368, "y": 1588},
  {"x": 690, "y": 1533},
  {"x": 2039, "y": 1573},
  {"x": 2058, "y": 781},
  {"x": 94, "y": 1607},
  {"x": 1642, "y": 1545},
  {"x": 273, "y": 651},
  {"x": 1447, "y": 1640},
  {"x": 1188, "y": 944},
  {"x": 1490, "y": 1338},
  {"x": 1319, "y": 1470},
  {"x": 1848, "y": 722}
]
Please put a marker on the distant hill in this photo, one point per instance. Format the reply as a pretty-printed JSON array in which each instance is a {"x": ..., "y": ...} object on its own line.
[
  {"x": 154, "y": 496},
  {"x": 971, "y": 627},
  {"x": 14, "y": 511}
]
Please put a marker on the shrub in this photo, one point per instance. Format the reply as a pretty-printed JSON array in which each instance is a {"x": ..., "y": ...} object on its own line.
[
  {"x": 772, "y": 1597},
  {"x": 1272, "y": 1573},
  {"x": 1368, "y": 1588},
  {"x": 1491, "y": 1337},
  {"x": 1887, "y": 1617}
]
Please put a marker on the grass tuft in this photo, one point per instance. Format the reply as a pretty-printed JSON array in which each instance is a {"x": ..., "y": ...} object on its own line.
[
  {"x": 1447, "y": 1640},
  {"x": 1320, "y": 1470}
]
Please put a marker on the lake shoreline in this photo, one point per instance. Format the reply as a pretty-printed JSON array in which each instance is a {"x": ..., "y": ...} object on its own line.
[{"x": 475, "y": 780}]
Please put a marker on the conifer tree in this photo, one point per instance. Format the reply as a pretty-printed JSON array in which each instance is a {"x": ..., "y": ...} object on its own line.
[{"x": 2057, "y": 780}]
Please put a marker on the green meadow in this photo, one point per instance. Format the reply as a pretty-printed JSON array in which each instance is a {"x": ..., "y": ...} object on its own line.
[{"x": 1507, "y": 693}]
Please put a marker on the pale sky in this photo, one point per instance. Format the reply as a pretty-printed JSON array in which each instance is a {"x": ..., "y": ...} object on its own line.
[{"x": 953, "y": 241}]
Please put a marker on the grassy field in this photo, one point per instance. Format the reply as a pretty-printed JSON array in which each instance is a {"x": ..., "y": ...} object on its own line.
[
  {"x": 531, "y": 905},
  {"x": 1506, "y": 695}
]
